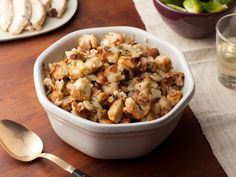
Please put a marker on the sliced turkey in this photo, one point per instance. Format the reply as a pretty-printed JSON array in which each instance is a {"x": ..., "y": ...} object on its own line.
[
  {"x": 21, "y": 16},
  {"x": 57, "y": 8},
  {"x": 38, "y": 15},
  {"x": 6, "y": 14},
  {"x": 47, "y": 3}
]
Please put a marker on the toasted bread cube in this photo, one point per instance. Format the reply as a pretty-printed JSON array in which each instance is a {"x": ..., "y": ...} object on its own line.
[
  {"x": 82, "y": 89},
  {"x": 132, "y": 108},
  {"x": 174, "y": 96},
  {"x": 163, "y": 63},
  {"x": 116, "y": 110}
]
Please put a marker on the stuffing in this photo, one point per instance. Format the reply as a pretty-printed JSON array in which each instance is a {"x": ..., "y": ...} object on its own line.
[
  {"x": 76, "y": 70},
  {"x": 165, "y": 105},
  {"x": 174, "y": 96},
  {"x": 66, "y": 103},
  {"x": 154, "y": 52},
  {"x": 138, "y": 50},
  {"x": 110, "y": 88},
  {"x": 102, "y": 98},
  {"x": 72, "y": 54},
  {"x": 58, "y": 70},
  {"x": 134, "y": 109},
  {"x": 110, "y": 39},
  {"x": 163, "y": 63},
  {"x": 93, "y": 64},
  {"x": 125, "y": 120},
  {"x": 56, "y": 97},
  {"x": 126, "y": 62},
  {"x": 48, "y": 84},
  {"x": 114, "y": 80},
  {"x": 87, "y": 42},
  {"x": 111, "y": 57},
  {"x": 105, "y": 121},
  {"x": 81, "y": 89},
  {"x": 116, "y": 110},
  {"x": 113, "y": 74}
]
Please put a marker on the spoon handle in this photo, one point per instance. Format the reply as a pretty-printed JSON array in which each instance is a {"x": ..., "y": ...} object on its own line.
[
  {"x": 78, "y": 173},
  {"x": 75, "y": 172}
]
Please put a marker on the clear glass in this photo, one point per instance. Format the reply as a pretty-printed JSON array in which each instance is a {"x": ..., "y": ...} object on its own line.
[{"x": 226, "y": 50}]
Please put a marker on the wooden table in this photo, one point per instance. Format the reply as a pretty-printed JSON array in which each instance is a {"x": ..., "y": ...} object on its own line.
[{"x": 186, "y": 153}]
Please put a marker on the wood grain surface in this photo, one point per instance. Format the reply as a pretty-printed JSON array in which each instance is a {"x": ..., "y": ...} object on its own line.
[{"x": 186, "y": 153}]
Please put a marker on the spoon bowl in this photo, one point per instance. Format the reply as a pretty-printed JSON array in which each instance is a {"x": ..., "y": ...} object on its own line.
[
  {"x": 24, "y": 145},
  {"x": 19, "y": 142}
]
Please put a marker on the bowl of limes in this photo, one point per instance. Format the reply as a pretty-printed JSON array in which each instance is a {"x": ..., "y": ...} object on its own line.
[{"x": 193, "y": 18}]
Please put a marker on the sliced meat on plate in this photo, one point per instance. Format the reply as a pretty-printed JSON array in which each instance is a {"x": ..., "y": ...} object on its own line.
[
  {"x": 47, "y": 3},
  {"x": 58, "y": 7},
  {"x": 38, "y": 15},
  {"x": 6, "y": 14},
  {"x": 21, "y": 16}
]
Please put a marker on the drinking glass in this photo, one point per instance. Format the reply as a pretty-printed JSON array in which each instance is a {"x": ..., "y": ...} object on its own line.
[{"x": 226, "y": 50}]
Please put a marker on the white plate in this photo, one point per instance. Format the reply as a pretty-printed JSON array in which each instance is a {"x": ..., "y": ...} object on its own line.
[{"x": 49, "y": 25}]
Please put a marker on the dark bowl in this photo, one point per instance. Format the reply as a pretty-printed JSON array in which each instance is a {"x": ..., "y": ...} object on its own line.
[{"x": 191, "y": 25}]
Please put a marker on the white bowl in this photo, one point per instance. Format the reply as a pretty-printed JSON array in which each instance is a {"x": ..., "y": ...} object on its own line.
[{"x": 117, "y": 141}]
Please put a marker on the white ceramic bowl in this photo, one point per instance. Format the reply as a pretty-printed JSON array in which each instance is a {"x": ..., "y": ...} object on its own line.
[{"x": 120, "y": 140}]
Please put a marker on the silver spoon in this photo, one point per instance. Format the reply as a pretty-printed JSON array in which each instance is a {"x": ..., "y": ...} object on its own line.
[{"x": 24, "y": 145}]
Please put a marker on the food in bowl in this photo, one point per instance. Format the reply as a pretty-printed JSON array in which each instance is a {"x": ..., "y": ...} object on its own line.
[
  {"x": 112, "y": 141},
  {"x": 198, "y": 6},
  {"x": 114, "y": 80},
  {"x": 191, "y": 25}
]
